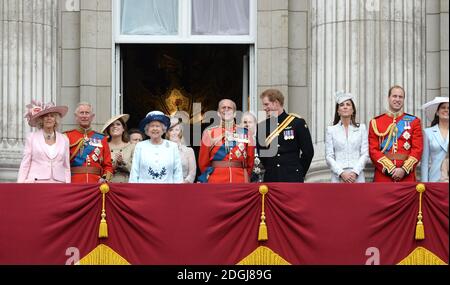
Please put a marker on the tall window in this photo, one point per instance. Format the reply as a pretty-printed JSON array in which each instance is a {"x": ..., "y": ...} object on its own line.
[
  {"x": 149, "y": 17},
  {"x": 220, "y": 17},
  {"x": 185, "y": 21}
]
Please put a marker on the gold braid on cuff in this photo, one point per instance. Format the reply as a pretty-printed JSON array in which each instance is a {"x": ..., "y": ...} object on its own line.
[
  {"x": 387, "y": 164},
  {"x": 408, "y": 164}
]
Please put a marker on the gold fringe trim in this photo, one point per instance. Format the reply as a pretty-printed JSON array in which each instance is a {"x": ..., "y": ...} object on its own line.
[
  {"x": 420, "y": 230},
  {"x": 422, "y": 256},
  {"x": 103, "y": 255},
  {"x": 263, "y": 256},
  {"x": 262, "y": 232}
]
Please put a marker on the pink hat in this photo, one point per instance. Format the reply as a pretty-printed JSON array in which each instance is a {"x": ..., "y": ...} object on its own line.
[{"x": 37, "y": 109}]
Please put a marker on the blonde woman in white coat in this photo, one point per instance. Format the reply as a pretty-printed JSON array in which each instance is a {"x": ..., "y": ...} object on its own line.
[{"x": 346, "y": 142}]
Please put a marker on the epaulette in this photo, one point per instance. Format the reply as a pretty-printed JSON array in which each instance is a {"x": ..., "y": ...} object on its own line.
[
  {"x": 410, "y": 115},
  {"x": 68, "y": 131},
  {"x": 380, "y": 116},
  {"x": 296, "y": 115}
]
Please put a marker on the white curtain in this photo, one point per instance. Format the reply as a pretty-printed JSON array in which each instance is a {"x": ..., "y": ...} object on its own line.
[
  {"x": 220, "y": 17},
  {"x": 149, "y": 17}
]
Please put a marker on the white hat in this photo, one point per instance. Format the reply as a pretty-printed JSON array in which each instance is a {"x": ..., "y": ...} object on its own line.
[
  {"x": 341, "y": 96},
  {"x": 124, "y": 117},
  {"x": 432, "y": 106}
]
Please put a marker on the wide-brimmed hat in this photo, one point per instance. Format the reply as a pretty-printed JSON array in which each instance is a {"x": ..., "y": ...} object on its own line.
[
  {"x": 174, "y": 121},
  {"x": 432, "y": 106},
  {"x": 341, "y": 96},
  {"x": 154, "y": 116},
  {"x": 37, "y": 109},
  {"x": 124, "y": 117}
]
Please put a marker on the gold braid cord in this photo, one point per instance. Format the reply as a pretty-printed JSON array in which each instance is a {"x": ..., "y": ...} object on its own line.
[
  {"x": 420, "y": 230},
  {"x": 391, "y": 130},
  {"x": 408, "y": 164},
  {"x": 262, "y": 233},
  {"x": 103, "y": 229},
  {"x": 279, "y": 129},
  {"x": 78, "y": 143}
]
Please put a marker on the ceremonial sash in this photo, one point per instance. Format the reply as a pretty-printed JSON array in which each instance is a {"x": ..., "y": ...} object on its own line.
[
  {"x": 81, "y": 158},
  {"x": 219, "y": 155},
  {"x": 279, "y": 129},
  {"x": 396, "y": 132}
]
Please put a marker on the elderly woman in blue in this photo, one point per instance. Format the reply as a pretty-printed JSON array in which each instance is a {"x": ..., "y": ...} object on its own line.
[
  {"x": 435, "y": 145},
  {"x": 156, "y": 160}
]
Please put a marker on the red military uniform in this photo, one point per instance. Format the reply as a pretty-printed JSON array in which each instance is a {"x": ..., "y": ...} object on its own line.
[
  {"x": 90, "y": 157},
  {"x": 395, "y": 142},
  {"x": 226, "y": 156}
]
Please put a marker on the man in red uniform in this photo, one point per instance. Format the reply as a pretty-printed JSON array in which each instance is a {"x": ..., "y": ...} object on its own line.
[
  {"x": 395, "y": 141},
  {"x": 90, "y": 157},
  {"x": 227, "y": 153}
]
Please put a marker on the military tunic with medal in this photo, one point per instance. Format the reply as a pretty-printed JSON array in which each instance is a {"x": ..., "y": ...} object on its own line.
[
  {"x": 294, "y": 152},
  {"x": 395, "y": 141},
  {"x": 226, "y": 155},
  {"x": 90, "y": 156}
]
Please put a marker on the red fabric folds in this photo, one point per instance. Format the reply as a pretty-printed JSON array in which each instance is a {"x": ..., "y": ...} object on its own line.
[{"x": 218, "y": 224}]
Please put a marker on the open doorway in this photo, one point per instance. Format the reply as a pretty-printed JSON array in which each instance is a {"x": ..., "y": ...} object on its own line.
[{"x": 171, "y": 77}]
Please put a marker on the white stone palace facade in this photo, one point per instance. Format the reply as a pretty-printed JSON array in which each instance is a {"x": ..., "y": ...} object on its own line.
[{"x": 67, "y": 51}]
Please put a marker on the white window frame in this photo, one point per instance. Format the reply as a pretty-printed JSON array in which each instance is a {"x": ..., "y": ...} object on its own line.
[
  {"x": 184, "y": 29},
  {"x": 184, "y": 36}
]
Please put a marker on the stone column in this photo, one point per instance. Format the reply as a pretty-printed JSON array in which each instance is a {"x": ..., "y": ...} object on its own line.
[
  {"x": 95, "y": 57},
  {"x": 28, "y": 52},
  {"x": 273, "y": 47},
  {"x": 364, "y": 47},
  {"x": 437, "y": 49}
]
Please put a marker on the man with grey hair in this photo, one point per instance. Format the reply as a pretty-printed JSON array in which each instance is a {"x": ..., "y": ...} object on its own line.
[
  {"x": 226, "y": 151},
  {"x": 90, "y": 157}
]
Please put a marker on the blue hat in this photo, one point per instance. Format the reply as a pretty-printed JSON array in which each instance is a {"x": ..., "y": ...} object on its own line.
[{"x": 154, "y": 116}]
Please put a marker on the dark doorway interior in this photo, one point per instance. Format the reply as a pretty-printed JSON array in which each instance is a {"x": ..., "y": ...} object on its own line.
[
  {"x": 198, "y": 73},
  {"x": 169, "y": 77}
]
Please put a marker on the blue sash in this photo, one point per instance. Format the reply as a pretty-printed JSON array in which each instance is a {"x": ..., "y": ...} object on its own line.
[
  {"x": 400, "y": 128},
  {"x": 80, "y": 158},
  {"x": 219, "y": 156}
]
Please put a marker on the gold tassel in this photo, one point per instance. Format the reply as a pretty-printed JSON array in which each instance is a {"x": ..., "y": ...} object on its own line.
[
  {"x": 262, "y": 233},
  {"x": 103, "y": 229},
  {"x": 420, "y": 230}
]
